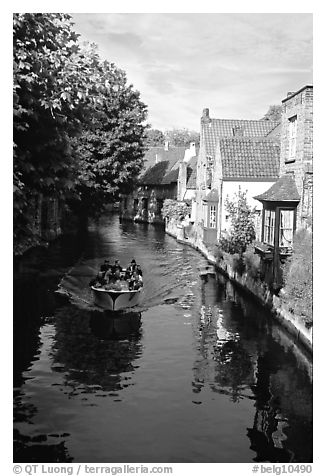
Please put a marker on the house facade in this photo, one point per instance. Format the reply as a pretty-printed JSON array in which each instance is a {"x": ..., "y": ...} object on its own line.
[
  {"x": 167, "y": 172},
  {"x": 287, "y": 205},
  {"x": 233, "y": 154}
]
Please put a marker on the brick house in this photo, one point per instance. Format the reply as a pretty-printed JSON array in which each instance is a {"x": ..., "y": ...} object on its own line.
[
  {"x": 233, "y": 154},
  {"x": 166, "y": 173},
  {"x": 287, "y": 205}
]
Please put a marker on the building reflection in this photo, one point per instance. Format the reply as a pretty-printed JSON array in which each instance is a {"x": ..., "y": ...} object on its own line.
[{"x": 232, "y": 361}]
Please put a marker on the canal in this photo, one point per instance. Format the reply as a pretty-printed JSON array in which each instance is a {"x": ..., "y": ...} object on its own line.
[{"x": 198, "y": 373}]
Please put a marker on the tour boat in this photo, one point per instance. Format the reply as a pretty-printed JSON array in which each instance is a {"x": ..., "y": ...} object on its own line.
[{"x": 112, "y": 300}]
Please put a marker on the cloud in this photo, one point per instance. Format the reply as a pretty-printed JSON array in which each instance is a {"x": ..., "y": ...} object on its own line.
[{"x": 236, "y": 64}]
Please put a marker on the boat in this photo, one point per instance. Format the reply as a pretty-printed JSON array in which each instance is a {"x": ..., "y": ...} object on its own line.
[
  {"x": 113, "y": 300},
  {"x": 116, "y": 297}
]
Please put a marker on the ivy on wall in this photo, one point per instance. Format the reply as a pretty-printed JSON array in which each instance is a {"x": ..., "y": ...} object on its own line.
[{"x": 173, "y": 209}]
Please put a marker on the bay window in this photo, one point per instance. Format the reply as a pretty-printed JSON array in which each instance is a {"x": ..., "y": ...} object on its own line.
[
  {"x": 286, "y": 228},
  {"x": 269, "y": 227}
]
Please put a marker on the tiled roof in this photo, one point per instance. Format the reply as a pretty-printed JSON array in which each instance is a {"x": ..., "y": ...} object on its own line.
[
  {"x": 166, "y": 170},
  {"x": 245, "y": 157},
  {"x": 217, "y": 128},
  {"x": 284, "y": 190},
  {"x": 153, "y": 154},
  {"x": 155, "y": 174},
  {"x": 276, "y": 132},
  {"x": 192, "y": 173},
  {"x": 171, "y": 176}
]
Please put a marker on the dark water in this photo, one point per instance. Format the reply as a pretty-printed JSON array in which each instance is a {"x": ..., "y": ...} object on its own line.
[{"x": 197, "y": 374}]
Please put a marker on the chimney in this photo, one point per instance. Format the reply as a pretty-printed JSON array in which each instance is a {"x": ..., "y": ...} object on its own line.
[
  {"x": 205, "y": 117},
  {"x": 157, "y": 159},
  {"x": 192, "y": 148},
  {"x": 238, "y": 131},
  {"x": 166, "y": 145}
]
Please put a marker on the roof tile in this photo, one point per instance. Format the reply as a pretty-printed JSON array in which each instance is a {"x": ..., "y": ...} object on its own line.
[
  {"x": 245, "y": 157},
  {"x": 284, "y": 190},
  {"x": 217, "y": 128}
]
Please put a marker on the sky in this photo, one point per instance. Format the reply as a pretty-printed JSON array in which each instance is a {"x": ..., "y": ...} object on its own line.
[{"x": 235, "y": 64}]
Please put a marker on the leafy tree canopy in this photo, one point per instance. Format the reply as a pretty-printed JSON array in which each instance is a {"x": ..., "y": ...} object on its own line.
[
  {"x": 182, "y": 137},
  {"x": 242, "y": 230},
  {"x": 274, "y": 113},
  {"x": 154, "y": 138},
  {"x": 78, "y": 129}
]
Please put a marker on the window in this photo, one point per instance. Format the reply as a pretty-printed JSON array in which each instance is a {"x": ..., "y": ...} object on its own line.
[
  {"x": 135, "y": 204},
  {"x": 286, "y": 228},
  {"x": 269, "y": 227},
  {"x": 212, "y": 216},
  {"x": 292, "y": 138}
]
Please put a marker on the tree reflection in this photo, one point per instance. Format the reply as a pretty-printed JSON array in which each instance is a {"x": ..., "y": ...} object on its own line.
[{"x": 37, "y": 450}]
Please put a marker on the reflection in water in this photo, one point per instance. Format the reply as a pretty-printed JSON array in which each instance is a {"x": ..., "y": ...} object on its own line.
[
  {"x": 93, "y": 350},
  {"x": 198, "y": 374},
  {"x": 233, "y": 363}
]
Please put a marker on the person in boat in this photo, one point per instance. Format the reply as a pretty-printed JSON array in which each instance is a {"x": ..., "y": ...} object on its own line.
[
  {"x": 115, "y": 282},
  {"x": 108, "y": 275},
  {"x": 138, "y": 270},
  {"x": 106, "y": 265},
  {"x": 116, "y": 266},
  {"x": 130, "y": 268},
  {"x": 135, "y": 281}
]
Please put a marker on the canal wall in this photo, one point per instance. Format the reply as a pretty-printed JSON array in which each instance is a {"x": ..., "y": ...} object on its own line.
[{"x": 257, "y": 289}]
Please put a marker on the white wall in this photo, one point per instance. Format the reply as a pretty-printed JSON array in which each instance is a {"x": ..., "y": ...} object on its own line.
[{"x": 232, "y": 188}]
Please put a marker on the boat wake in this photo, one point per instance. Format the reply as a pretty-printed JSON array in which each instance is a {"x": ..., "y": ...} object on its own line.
[{"x": 165, "y": 284}]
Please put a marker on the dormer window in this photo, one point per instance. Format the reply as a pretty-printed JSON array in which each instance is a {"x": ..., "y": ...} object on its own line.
[
  {"x": 292, "y": 128},
  {"x": 209, "y": 161}
]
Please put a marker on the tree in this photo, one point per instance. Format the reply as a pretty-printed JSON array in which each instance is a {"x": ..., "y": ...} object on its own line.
[
  {"x": 274, "y": 113},
  {"x": 111, "y": 151},
  {"x": 242, "y": 231},
  {"x": 62, "y": 92},
  {"x": 154, "y": 137},
  {"x": 181, "y": 137}
]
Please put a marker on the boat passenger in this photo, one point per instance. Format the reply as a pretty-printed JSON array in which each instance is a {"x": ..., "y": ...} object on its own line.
[
  {"x": 130, "y": 269},
  {"x": 108, "y": 275},
  {"x": 115, "y": 282},
  {"x": 116, "y": 266},
  {"x": 135, "y": 281},
  {"x": 138, "y": 269}
]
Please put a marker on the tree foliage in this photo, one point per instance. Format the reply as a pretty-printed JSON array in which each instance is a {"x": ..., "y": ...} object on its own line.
[
  {"x": 154, "y": 138},
  {"x": 298, "y": 277},
  {"x": 78, "y": 131},
  {"x": 173, "y": 209},
  {"x": 181, "y": 137},
  {"x": 242, "y": 230},
  {"x": 274, "y": 113}
]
